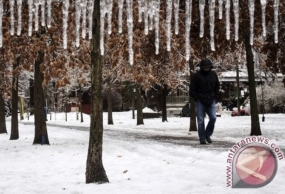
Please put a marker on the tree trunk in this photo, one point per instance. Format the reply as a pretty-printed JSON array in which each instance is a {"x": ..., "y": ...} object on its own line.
[
  {"x": 255, "y": 126},
  {"x": 14, "y": 121},
  {"x": 193, "y": 124},
  {"x": 110, "y": 108},
  {"x": 139, "y": 107},
  {"x": 95, "y": 172},
  {"x": 80, "y": 104},
  {"x": 41, "y": 135},
  {"x": 163, "y": 99},
  {"x": 3, "y": 128}
]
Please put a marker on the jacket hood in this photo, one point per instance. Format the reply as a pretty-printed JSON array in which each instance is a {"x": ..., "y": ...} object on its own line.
[{"x": 206, "y": 63}]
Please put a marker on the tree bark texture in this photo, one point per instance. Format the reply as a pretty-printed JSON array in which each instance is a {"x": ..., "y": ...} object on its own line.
[
  {"x": 163, "y": 99},
  {"x": 95, "y": 172},
  {"x": 14, "y": 120},
  {"x": 193, "y": 122},
  {"x": 3, "y": 128},
  {"x": 139, "y": 107},
  {"x": 255, "y": 125},
  {"x": 110, "y": 107},
  {"x": 41, "y": 134}
]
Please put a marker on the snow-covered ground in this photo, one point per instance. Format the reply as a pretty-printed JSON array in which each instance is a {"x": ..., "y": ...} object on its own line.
[{"x": 137, "y": 159}]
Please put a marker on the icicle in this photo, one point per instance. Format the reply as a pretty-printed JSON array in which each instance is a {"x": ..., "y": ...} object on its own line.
[
  {"x": 251, "y": 13},
  {"x": 30, "y": 28},
  {"x": 1, "y": 15},
  {"x": 141, "y": 9},
  {"x": 228, "y": 6},
  {"x": 90, "y": 15},
  {"x": 188, "y": 21},
  {"x": 276, "y": 22},
  {"x": 201, "y": 8},
  {"x": 151, "y": 13},
  {"x": 12, "y": 3},
  {"x": 121, "y": 5},
  {"x": 212, "y": 22},
  {"x": 83, "y": 8},
  {"x": 156, "y": 21},
  {"x": 43, "y": 6},
  {"x": 19, "y": 6},
  {"x": 130, "y": 29},
  {"x": 77, "y": 21},
  {"x": 36, "y": 12},
  {"x": 168, "y": 23},
  {"x": 146, "y": 17},
  {"x": 102, "y": 26},
  {"x": 109, "y": 8},
  {"x": 236, "y": 15},
  {"x": 221, "y": 9},
  {"x": 263, "y": 8},
  {"x": 176, "y": 16},
  {"x": 65, "y": 20},
  {"x": 48, "y": 13}
]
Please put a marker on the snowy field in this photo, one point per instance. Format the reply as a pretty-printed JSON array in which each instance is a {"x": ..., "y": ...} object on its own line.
[{"x": 154, "y": 158}]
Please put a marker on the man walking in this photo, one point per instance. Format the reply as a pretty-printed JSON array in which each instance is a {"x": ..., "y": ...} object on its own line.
[{"x": 204, "y": 89}]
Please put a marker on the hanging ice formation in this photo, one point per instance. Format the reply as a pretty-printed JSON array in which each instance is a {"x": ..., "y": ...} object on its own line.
[
  {"x": 77, "y": 22},
  {"x": 90, "y": 17},
  {"x": 130, "y": 29},
  {"x": 228, "y": 6},
  {"x": 202, "y": 9},
  {"x": 168, "y": 23},
  {"x": 221, "y": 9},
  {"x": 236, "y": 15},
  {"x": 176, "y": 16},
  {"x": 109, "y": 12},
  {"x": 120, "y": 15},
  {"x": 11, "y": 4},
  {"x": 36, "y": 10},
  {"x": 263, "y": 8},
  {"x": 1, "y": 15},
  {"x": 148, "y": 10},
  {"x": 188, "y": 20},
  {"x": 43, "y": 6},
  {"x": 156, "y": 22},
  {"x": 276, "y": 13},
  {"x": 19, "y": 6},
  {"x": 251, "y": 15},
  {"x": 212, "y": 23},
  {"x": 83, "y": 7},
  {"x": 102, "y": 25},
  {"x": 65, "y": 20}
]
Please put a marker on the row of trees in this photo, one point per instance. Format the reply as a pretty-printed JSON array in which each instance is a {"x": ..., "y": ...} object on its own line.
[{"x": 43, "y": 54}]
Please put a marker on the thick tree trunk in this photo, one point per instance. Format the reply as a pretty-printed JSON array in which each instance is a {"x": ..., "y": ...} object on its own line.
[
  {"x": 41, "y": 135},
  {"x": 95, "y": 172},
  {"x": 193, "y": 124},
  {"x": 110, "y": 107},
  {"x": 14, "y": 121},
  {"x": 163, "y": 99},
  {"x": 3, "y": 128},
  {"x": 139, "y": 107},
  {"x": 255, "y": 125}
]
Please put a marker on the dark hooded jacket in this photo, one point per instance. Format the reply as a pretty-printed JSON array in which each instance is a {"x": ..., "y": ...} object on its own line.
[{"x": 204, "y": 86}]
